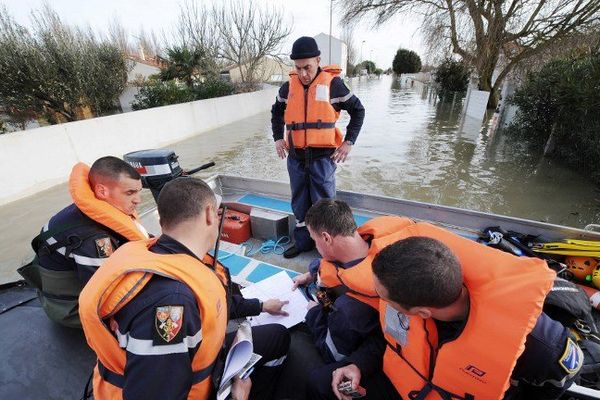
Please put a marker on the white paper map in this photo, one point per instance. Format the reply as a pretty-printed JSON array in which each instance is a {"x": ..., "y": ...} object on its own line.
[{"x": 278, "y": 286}]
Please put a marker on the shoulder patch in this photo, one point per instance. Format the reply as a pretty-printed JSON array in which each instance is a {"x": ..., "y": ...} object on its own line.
[
  {"x": 104, "y": 247},
  {"x": 572, "y": 358},
  {"x": 168, "y": 321}
]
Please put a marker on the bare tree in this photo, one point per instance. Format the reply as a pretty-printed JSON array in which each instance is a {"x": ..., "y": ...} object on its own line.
[
  {"x": 248, "y": 33},
  {"x": 347, "y": 37},
  {"x": 489, "y": 34},
  {"x": 118, "y": 35}
]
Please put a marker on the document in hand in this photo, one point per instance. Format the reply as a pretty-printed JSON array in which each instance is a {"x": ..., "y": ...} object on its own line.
[
  {"x": 278, "y": 286},
  {"x": 240, "y": 360}
]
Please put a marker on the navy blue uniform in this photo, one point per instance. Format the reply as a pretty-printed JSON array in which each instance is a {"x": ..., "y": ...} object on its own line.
[
  {"x": 349, "y": 333},
  {"x": 157, "y": 369},
  {"x": 81, "y": 248},
  {"x": 312, "y": 171}
]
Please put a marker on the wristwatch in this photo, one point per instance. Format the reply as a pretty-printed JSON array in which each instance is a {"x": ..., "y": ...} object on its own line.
[{"x": 261, "y": 306}]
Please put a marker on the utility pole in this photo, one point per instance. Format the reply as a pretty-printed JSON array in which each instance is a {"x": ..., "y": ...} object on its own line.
[{"x": 330, "y": 24}]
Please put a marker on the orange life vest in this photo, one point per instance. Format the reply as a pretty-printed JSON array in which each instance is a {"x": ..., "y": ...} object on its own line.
[
  {"x": 506, "y": 297},
  {"x": 99, "y": 210},
  {"x": 357, "y": 281},
  {"x": 119, "y": 280},
  {"x": 309, "y": 116}
]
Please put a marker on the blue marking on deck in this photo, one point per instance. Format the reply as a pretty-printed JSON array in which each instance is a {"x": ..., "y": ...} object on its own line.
[
  {"x": 267, "y": 202},
  {"x": 235, "y": 263},
  {"x": 263, "y": 271},
  {"x": 283, "y": 205}
]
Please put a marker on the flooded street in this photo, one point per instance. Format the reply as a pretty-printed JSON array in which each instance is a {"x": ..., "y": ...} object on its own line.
[
  {"x": 415, "y": 147},
  {"x": 412, "y": 146}
]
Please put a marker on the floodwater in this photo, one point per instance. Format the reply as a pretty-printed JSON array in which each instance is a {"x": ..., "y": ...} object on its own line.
[
  {"x": 416, "y": 147},
  {"x": 412, "y": 146}
]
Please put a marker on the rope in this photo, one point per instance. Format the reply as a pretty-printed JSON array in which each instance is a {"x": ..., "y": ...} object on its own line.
[{"x": 268, "y": 246}]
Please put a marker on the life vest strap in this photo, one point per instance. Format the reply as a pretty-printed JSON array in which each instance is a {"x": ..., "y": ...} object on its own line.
[
  {"x": 111, "y": 377},
  {"x": 118, "y": 380},
  {"x": 300, "y": 126}
]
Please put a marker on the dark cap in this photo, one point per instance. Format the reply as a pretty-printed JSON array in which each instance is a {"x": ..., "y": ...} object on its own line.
[{"x": 305, "y": 47}]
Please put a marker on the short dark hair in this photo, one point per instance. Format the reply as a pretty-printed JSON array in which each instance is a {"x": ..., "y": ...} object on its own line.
[
  {"x": 112, "y": 168},
  {"x": 182, "y": 199},
  {"x": 419, "y": 272},
  {"x": 331, "y": 216}
]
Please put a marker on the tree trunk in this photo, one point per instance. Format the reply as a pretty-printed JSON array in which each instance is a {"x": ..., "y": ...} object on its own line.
[{"x": 485, "y": 83}]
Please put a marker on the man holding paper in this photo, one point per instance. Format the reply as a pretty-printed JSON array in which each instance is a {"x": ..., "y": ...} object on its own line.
[
  {"x": 345, "y": 323},
  {"x": 157, "y": 311}
]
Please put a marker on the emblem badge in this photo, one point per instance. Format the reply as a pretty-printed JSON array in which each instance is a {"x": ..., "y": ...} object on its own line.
[
  {"x": 168, "y": 321},
  {"x": 104, "y": 247}
]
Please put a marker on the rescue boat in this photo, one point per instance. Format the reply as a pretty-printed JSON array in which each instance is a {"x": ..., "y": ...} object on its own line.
[{"x": 42, "y": 360}]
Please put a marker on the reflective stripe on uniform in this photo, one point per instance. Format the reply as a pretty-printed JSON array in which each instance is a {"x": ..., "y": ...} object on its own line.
[
  {"x": 276, "y": 362},
  {"x": 281, "y": 99},
  {"x": 337, "y": 356},
  {"x": 341, "y": 99},
  {"x": 145, "y": 347},
  {"x": 82, "y": 260},
  {"x": 300, "y": 224}
]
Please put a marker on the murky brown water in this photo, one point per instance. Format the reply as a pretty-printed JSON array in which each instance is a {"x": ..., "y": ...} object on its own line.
[
  {"x": 416, "y": 147},
  {"x": 411, "y": 146}
]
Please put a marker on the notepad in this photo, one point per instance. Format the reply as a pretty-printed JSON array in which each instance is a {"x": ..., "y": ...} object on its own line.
[{"x": 278, "y": 286}]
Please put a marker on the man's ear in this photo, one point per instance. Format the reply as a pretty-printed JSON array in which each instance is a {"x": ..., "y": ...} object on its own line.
[
  {"x": 101, "y": 191},
  {"x": 423, "y": 312},
  {"x": 318, "y": 60},
  {"x": 210, "y": 215},
  {"x": 327, "y": 237}
]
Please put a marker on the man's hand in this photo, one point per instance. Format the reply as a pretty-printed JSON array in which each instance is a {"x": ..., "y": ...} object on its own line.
[
  {"x": 241, "y": 389},
  {"x": 349, "y": 372},
  {"x": 303, "y": 279},
  {"x": 281, "y": 147},
  {"x": 275, "y": 307},
  {"x": 341, "y": 153}
]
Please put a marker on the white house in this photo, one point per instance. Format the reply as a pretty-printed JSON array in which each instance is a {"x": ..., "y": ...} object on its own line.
[
  {"x": 339, "y": 51},
  {"x": 141, "y": 69}
]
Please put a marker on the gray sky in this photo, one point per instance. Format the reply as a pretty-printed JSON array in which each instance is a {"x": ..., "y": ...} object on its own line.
[{"x": 310, "y": 18}]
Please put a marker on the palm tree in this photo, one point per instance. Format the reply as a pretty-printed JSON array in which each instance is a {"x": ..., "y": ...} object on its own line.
[{"x": 184, "y": 64}]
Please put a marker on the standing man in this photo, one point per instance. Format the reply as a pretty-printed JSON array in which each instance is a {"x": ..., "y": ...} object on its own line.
[
  {"x": 157, "y": 311},
  {"x": 77, "y": 240},
  {"x": 308, "y": 107},
  {"x": 465, "y": 321}
]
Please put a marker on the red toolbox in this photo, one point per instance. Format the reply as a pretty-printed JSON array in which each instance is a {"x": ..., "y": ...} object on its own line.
[{"x": 236, "y": 227}]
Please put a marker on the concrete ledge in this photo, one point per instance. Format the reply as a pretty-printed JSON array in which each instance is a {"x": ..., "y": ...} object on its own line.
[{"x": 36, "y": 159}]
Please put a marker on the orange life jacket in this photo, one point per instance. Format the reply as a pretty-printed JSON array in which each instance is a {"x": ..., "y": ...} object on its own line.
[
  {"x": 357, "y": 281},
  {"x": 309, "y": 116},
  {"x": 119, "y": 280},
  {"x": 506, "y": 297},
  {"x": 99, "y": 210}
]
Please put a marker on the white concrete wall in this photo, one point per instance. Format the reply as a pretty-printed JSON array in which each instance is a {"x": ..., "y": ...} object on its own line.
[{"x": 34, "y": 160}]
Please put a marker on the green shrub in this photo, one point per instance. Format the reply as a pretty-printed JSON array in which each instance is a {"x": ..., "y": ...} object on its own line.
[
  {"x": 452, "y": 76},
  {"x": 156, "y": 93},
  {"x": 563, "y": 98},
  {"x": 406, "y": 62},
  {"x": 212, "y": 87}
]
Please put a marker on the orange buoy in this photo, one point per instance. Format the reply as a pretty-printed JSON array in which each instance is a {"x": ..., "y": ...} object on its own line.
[{"x": 581, "y": 267}]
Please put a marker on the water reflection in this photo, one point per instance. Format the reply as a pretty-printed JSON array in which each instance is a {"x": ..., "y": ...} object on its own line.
[{"x": 416, "y": 146}]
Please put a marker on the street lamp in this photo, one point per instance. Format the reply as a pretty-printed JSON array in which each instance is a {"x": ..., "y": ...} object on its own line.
[{"x": 361, "y": 48}]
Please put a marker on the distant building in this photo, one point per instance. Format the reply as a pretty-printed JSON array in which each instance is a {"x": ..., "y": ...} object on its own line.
[
  {"x": 141, "y": 68},
  {"x": 339, "y": 51},
  {"x": 269, "y": 69}
]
